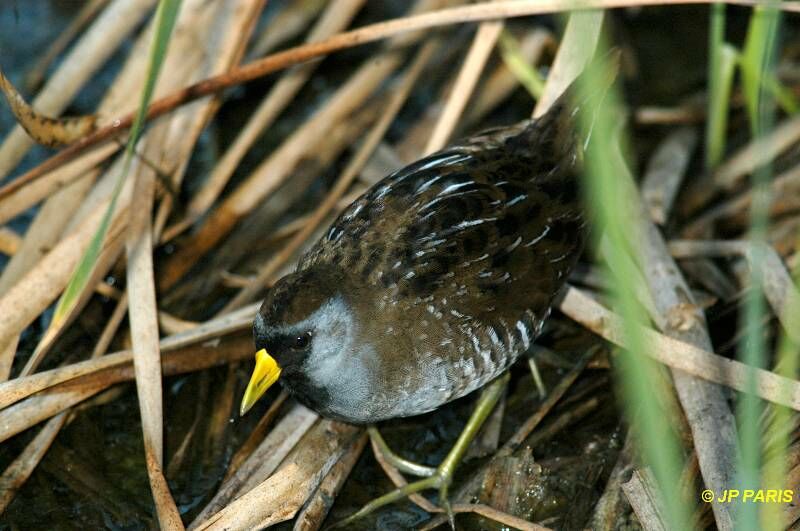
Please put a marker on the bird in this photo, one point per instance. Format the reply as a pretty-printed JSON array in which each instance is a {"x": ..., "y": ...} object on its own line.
[{"x": 431, "y": 284}]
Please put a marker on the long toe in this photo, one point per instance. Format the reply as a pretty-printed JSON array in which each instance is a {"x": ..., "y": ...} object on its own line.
[
  {"x": 396, "y": 495},
  {"x": 444, "y": 500}
]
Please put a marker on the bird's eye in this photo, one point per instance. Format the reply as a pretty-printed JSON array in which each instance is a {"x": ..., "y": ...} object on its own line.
[{"x": 301, "y": 341}]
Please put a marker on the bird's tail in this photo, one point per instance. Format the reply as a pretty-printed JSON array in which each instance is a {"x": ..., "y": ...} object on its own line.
[{"x": 587, "y": 91}]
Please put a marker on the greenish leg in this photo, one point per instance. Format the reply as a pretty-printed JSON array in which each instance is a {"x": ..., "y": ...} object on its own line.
[
  {"x": 395, "y": 495},
  {"x": 442, "y": 477}
]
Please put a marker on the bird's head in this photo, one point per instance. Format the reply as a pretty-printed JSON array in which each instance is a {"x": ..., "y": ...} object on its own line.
[{"x": 303, "y": 331}]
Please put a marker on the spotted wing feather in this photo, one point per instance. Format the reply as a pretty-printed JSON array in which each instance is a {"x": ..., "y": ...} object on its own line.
[{"x": 488, "y": 229}]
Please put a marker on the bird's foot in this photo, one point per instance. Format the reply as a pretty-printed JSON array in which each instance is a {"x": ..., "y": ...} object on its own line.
[{"x": 441, "y": 479}]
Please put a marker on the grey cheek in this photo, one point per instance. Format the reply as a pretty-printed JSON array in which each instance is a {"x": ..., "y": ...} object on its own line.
[{"x": 343, "y": 371}]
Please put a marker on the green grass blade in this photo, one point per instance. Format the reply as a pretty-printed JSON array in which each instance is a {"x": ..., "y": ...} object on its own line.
[
  {"x": 721, "y": 66},
  {"x": 638, "y": 376},
  {"x": 756, "y": 65},
  {"x": 756, "y": 58},
  {"x": 719, "y": 87},
  {"x": 166, "y": 15},
  {"x": 783, "y": 95},
  {"x": 763, "y": 28},
  {"x": 781, "y": 422},
  {"x": 775, "y": 441},
  {"x": 719, "y": 104},
  {"x": 515, "y": 62}
]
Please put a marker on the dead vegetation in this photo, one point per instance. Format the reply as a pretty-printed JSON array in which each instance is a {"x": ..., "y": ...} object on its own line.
[{"x": 198, "y": 233}]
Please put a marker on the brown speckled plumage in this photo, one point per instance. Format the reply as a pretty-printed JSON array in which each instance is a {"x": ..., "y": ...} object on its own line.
[{"x": 436, "y": 279}]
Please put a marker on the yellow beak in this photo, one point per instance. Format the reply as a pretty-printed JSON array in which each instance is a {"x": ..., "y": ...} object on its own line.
[{"x": 264, "y": 375}]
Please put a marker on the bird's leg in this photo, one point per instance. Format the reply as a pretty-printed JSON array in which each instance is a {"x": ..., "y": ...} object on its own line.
[{"x": 442, "y": 477}]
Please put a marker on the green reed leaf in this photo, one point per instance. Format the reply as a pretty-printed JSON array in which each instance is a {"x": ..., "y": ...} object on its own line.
[
  {"x": 516, "y": 63},
  {"x": 166, "y": 15},
  {"x": 756, "y": 65},
  {"x": 642, "y": 386},
  {"x": 721, "y": 67}
]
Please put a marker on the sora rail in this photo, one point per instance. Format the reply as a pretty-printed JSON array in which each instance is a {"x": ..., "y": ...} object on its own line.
[
  {"x": 429, "y": 286},
  {"x": 433, "y": 282}
]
